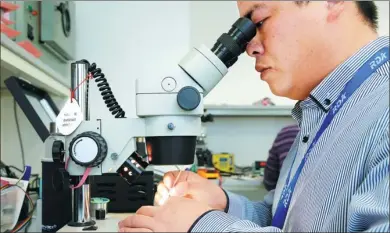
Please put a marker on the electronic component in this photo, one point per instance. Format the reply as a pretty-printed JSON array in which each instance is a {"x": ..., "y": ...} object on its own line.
[
  {"x": 224, "y": 162},
  {"x": 258, "y": 167}
]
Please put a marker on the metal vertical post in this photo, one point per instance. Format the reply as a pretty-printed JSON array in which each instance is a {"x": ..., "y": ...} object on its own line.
[
  {"x": 80, "y": 85},
  {"x": 81, "y": 196}
]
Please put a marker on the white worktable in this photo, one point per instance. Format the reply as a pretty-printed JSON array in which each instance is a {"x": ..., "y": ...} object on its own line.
[{"x": 110, "y": 224}]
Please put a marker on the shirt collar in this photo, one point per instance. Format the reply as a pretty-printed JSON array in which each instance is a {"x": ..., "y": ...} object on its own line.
[{"x": 330, "y": 88}]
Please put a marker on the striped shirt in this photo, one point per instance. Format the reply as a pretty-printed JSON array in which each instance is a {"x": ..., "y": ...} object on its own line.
[
  {"x": 278, "y": 152},
  {"x": 344, "y": 185}
]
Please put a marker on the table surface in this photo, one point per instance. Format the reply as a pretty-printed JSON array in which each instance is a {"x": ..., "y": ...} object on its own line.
[{"x": 110, "y": 224}]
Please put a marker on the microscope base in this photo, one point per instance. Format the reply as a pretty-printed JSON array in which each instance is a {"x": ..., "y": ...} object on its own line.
[
  {"x": 82, "y": 224},
  {"x": 110, "y": 224}
]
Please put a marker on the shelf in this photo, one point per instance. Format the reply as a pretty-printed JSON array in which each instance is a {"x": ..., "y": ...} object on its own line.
[
  {"x": 18, "y": 62},
  {"x": 248, "y": 110}
]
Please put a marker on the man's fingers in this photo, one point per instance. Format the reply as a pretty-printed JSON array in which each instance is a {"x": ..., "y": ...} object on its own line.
[
  {"x": 159, "y": 200},
  {"x": 126, "y": 229},
  {"x": 170, "y": 177},
  {"x": 147, "y": 211},
  {"x": 180, "y": 189},
  {"x": 162, "y": 189},
  {"x": 137, "y": 221}
]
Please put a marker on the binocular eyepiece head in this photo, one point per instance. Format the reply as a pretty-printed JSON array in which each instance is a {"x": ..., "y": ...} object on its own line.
[{"x": 231, "y": 45}]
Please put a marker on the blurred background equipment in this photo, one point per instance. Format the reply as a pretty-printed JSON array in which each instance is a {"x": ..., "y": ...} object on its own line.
[
  {"x": 224, "y": 162},
  {"x": 35, "y": 103},
  {"x": 264, "y": 102},
  {"x": 258, "y": 167},
  {"x": 17, "y": 206},
  {"x": 47, "y": 27}
]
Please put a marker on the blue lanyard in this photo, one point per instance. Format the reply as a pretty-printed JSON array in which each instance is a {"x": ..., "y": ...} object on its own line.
[{"x": 377, "y": 60}]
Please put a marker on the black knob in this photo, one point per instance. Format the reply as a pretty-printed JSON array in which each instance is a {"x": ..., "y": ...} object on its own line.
[
  {"x": 58, "y": 152},
  {"x": 188, "y": 98},
  {"x": 60, "y": 180},
  {"x": 88, "y": 149},
  {"x": 207, "y": 118}
]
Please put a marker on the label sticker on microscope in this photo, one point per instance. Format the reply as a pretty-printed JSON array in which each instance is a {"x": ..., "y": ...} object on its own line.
[{"x": 69, "y": 118}]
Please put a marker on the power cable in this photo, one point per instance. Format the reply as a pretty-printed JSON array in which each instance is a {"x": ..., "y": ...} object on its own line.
[{"x": 19, "y": 135}]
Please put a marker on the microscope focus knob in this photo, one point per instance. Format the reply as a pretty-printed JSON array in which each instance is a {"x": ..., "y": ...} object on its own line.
[
  {"x": 88, "y": 149},
  {"x": 188, "y": 98}
]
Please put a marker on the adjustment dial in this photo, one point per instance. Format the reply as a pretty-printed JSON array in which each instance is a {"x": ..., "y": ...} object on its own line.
[{"x": 88, "y": 149}]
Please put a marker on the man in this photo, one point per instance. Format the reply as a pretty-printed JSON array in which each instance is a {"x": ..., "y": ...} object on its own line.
[
  {"x": 327, "y": 55},
  {"x": 278, "y": 152}
]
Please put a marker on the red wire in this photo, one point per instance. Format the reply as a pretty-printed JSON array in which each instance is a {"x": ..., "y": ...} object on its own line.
[{"x": 89, "y": 76}]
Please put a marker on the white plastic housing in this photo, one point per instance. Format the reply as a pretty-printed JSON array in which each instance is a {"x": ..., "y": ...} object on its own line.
[
  {"x": 204, "y": 67},
  {"x": 159, "y": 98},
  {"x": 200, "y": 69},
  {"x": 182, "y": 126}
]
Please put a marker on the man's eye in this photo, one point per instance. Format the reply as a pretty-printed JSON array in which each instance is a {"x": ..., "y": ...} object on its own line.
[{"x": 259, "y": 24}]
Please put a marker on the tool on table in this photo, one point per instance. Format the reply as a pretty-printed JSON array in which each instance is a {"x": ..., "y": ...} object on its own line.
[
  {"x": 99, "y": 207},
  {"x": 168, "y": 117},
  {"x": 177, "y": 177}
]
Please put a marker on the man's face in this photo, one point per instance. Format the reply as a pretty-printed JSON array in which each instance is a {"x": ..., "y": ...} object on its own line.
[{"x": 289, "y": 46}]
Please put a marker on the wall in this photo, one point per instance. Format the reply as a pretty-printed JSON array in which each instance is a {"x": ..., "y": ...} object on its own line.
[
  {"x": 383, "y": 7},
  {"x": 129, "y": 40},
  {"x": 248, "y": 138}
]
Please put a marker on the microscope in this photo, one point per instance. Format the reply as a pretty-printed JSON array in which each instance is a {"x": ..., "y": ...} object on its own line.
[{"x": 169, "y": 113}]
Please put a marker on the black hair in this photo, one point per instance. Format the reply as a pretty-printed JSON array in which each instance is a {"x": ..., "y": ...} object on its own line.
[{"x": 367, "y": 9}]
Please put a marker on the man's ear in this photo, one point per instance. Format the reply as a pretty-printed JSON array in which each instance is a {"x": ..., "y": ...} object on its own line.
[{"x": 335, "y": 8}]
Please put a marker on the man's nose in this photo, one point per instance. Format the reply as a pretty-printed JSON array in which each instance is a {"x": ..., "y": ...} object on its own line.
[{"x": 255, "y": 49}]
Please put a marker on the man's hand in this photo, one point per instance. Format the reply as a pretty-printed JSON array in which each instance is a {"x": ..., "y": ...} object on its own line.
[
  {"x": 176, "y": 215},
  {"x": 193, "y": 186}
]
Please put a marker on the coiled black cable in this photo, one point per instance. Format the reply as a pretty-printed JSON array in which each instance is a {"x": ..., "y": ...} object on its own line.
[{"x": 105, "y": 90}]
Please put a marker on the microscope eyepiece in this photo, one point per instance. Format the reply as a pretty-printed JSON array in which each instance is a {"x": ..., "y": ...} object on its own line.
[{"x": 232, "y": 44}]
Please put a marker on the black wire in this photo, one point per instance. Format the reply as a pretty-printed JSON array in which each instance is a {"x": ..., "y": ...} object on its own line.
[
  {"x": 17, "y": 169},
  {"x": 29, "y": 222},
  {"x": 19, "y": 134}
]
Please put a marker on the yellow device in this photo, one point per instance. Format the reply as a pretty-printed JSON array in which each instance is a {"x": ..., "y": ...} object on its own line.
[{"x": 224, "y": 162}]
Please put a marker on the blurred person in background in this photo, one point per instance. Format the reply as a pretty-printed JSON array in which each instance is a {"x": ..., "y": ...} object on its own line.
[{"x": 278, "y": 152}]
